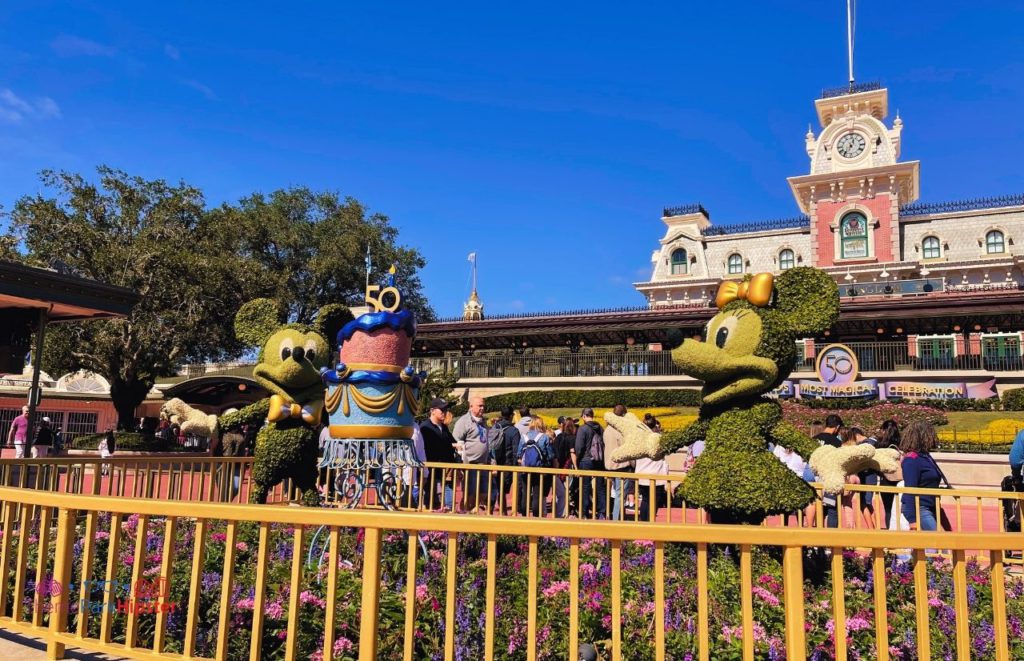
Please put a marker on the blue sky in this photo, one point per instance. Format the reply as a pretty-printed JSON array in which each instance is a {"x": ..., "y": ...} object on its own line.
[{"x": 546, "y": 137}]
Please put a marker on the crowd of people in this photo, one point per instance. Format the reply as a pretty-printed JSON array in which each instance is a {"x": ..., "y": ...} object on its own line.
[
  {"x": 525, "y": 440},
  {"x": 584, "y": 444}
]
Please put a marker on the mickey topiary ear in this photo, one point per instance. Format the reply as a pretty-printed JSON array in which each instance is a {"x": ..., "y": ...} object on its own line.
[
  {"x": 809, "y": 299},
  {"x": 329, "y": 320},
  {"x": 257, "y": 320}
]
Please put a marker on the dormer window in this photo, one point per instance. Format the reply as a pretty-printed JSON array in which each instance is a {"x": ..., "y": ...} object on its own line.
[
  {"x": 679, "y": 262},
  {"x": 931, "y": 248},
  {"x": 787, "y": 259},
  {"x": 995, "y": 243},
  {"x": 735, "y": 263},
  {"x": 853, "y": 236}
]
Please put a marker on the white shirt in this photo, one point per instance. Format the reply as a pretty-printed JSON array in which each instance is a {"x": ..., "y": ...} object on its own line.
[
  {"x": 792, "y": 460},
  {"x": 645, "y": 466}
]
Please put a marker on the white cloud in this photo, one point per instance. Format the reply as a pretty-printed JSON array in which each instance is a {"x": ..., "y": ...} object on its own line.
[
  {"x": 198, "y": 86},
  {"x": 172, "y": 52},
  {"x": 67, "y": 45},
  {"x": 47, "y": 107},
  {"x": 14, "y": 109},
  {"x": 15, "y": 102}
]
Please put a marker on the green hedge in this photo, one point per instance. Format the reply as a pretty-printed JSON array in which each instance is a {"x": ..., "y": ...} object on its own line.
[
  {"x": 560, "y": 399},
  {"x": 1013, "y": 399},
  {"x": 129, "y": 442}
]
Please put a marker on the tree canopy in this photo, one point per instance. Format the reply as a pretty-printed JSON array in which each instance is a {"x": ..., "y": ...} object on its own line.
[{"x": 194, "y": 267}]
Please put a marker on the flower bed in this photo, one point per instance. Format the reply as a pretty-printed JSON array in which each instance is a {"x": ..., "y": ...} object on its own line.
[
  {"x": 638, "y": 605},
  {"x": 868, "y": 418}
]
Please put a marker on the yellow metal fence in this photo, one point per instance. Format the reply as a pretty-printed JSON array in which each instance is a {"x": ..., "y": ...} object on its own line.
[{"x": 70, "y": 543}]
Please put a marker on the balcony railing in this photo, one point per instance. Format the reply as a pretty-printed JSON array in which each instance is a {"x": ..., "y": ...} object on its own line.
[{"x": 886, "y": 356}]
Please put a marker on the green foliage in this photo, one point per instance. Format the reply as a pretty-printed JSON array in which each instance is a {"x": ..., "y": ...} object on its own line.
[
  {"x": 441, "y": 384},
  {"x": 330, "y": 320},
  {"x": 809, "y": 298},
  {"x": 156, "y": 239},
  {"x": 287, "y": 449},
  {"x": 1013, "y": 399},
  {"x": 253, "y": 414},
  {"x": 128, "y": 441},
  {"x": 311, "y": 246},
  {"x": 257, "y": 319},
  {"x": 631, "y": 397}
]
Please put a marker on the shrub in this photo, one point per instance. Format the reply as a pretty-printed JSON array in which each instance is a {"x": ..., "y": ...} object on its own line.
[
  {"x": 1013, "y": 399},
  {"x": 128, "y": 441},
  {"x": 253, "y": 414},
  {"x": 559, "y": 399}
]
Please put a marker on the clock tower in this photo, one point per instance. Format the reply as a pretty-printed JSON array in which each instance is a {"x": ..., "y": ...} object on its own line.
[{"x": 856, "y": 183}]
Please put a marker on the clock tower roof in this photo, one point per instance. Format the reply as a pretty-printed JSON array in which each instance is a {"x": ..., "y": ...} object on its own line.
[{"x": 862, "y": 98}]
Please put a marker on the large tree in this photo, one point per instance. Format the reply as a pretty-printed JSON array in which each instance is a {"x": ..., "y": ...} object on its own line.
[
  {"x": 312, "y": 246},
  {"x": 156, "y": 239},
  {"x": 194, "y": 267}
]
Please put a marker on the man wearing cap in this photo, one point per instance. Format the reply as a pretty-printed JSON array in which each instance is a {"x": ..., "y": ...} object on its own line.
[
  {"x": 44, "y": 439},
  {"x": 18, "y": 433},
  {"x": 439, "y": 447}
]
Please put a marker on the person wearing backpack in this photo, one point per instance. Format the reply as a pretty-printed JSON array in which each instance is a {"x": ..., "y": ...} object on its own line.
[
  {"x": 471, "y": 441},
  {"x": 590, "y": 456},
  {"x": 503, "y": 441},
  {"x": 535, "y": 451}
]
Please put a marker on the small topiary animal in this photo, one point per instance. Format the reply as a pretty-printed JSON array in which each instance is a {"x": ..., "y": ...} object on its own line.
[
  {"x": 750, "y": 349},
  {"x": 289, "y": 365}
]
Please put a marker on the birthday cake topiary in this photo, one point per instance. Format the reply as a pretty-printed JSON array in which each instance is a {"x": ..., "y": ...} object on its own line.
[{"x": 372, "y": 393}]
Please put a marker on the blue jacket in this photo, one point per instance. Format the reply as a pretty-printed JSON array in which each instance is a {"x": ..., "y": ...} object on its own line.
[
  {"x": 1017, "y": 450},
  {"x": 918, "y": 471}
]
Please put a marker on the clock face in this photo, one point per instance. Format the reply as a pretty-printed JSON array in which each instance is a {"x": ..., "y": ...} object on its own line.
[{"x": 851, "y": 145}]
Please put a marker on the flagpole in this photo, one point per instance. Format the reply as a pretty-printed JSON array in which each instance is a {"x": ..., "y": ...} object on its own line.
[{"x": 849, "y": 38}]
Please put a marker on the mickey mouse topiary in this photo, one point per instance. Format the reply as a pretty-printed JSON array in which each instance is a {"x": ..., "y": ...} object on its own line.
[
  {"x": 289, "y": 364},
  {"x": 750, "y": 349}
]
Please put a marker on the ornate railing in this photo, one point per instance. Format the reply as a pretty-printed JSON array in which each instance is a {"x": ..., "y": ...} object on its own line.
[
  {"x": 883, "y": 356},
  {"x": 759, "y": 226},
  {"x": 685, "y": 210},
  {"x": 576, "y": 313},
  {"x": 951, "y": 206},
  {"x": 855, "y": 88}
]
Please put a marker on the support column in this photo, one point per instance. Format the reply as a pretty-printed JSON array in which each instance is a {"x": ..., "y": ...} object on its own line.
[{"x": 37, "y": 361}]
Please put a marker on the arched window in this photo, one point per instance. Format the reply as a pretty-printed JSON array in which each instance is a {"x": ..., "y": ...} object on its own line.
[
  {"x": 853, "y": 236},
  {"x": 930, "y": 248},
  {"x": 787, "y": 259},
  {"x": 735, "y": 263},
  {"x": 679, "y": 264},
  {"x": 995, "y": 242}
]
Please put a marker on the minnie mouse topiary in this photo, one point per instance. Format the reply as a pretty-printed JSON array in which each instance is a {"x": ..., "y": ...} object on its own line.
[{"x": 750, "y": 349}]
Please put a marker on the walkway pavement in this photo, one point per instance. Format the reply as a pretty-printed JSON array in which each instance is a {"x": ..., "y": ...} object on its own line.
[{"x": 16, "y": 646}]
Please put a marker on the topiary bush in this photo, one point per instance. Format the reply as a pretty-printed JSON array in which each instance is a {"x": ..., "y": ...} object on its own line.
[
  {"x": 607, "y": 398},
  {"x": 1013, "y": 399},
  {"x": 253, "y": 414},
  {"x": 129, "y": 442}
]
